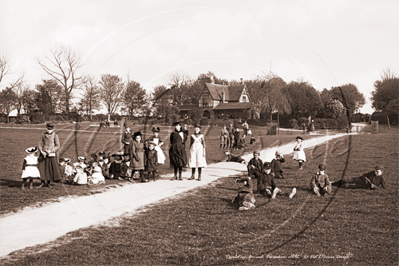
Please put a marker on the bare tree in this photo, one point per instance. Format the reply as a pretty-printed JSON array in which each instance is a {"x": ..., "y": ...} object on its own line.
[
  {"x": 4, "y": 66},
  {"x": 112, "y": 92},
  {"x": 20, "y": 92},
  {"x": 91, "y": 95},
  {"x": 63, "y": 65}
]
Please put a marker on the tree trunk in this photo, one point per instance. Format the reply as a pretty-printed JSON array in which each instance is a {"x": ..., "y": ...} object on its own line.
[
  {"x": 91, "y": 112},
  {"x": 67, "y": 103}
]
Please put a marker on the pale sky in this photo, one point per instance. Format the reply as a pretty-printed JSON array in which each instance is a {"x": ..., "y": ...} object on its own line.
[{"x": 327, "y": 43}]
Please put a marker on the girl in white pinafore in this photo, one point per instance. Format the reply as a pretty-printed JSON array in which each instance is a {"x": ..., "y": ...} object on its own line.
[
  {"x": 158, "y": 143},
  {"x": 299, "y": 154},
  {"x": 29, "y": 167},
  {"x": 197, "y": 152}
]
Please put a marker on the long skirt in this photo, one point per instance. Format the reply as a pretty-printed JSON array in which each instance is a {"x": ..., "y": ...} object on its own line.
[
  {"x": 49, "y": 168},
  {"x": 177, "y": 155}
]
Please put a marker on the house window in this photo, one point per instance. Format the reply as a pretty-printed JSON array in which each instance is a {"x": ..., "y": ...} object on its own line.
[
  {"x": 205, "y": 100},
  {"x": 244, "y": 99}
]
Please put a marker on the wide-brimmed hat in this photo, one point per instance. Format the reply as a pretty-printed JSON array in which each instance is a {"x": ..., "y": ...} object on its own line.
[
  {"x": 67, "y": 160},
  {"x": 31, "y": 149},
  {"x": 156, "y": 129},
  {"x": 101, "y": 153},
  {"x": 50, "y": 125},
  {"x": 138, "y": 133},
  {"x": 299, "y": 137},
  {"x": 322, "y": 167},
  {"x": 81, "y": 158}
]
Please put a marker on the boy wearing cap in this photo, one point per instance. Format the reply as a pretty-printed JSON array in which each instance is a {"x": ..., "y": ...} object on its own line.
[
  {"x": 276, "y": 165},
  {"x": 256, "y": 162},
  {"x": 151, "y": 160},
  {"x": 320, "y": 183},
  {"x": 245, "y": 197}
]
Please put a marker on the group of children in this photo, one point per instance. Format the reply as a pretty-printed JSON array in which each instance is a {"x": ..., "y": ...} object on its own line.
[
  {"x": 264, "y": 175},
  {"x": 232, "y": 138}
]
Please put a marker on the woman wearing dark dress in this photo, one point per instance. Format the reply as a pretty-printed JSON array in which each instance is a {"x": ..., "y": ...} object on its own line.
[
  {"x": 48, "y": 161},
  {"x": 127, "y": 140},
  {"x": 177, "y": 152}
]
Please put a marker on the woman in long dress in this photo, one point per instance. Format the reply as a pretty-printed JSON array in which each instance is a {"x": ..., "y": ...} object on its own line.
[
  {"x": 48, "y": 160},
  {"x": 197, "y": 152},
  {"x": 177, "y": 152},
  {"x": 127, "y": 141},
  {"x": 299, "y": 154},
  {"x": 137, "y": 160},
  {"x": 158, "y": 143}
]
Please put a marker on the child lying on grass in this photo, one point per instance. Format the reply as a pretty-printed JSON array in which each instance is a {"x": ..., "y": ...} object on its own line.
[
  {"x": 370, "y": 180},
  {"x": 233, "y": 158}
]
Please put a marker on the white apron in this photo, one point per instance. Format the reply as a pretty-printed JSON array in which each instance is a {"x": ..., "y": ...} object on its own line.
[
  {"x": 161, "y": 156},
  {"x": 197, "y": 158}
]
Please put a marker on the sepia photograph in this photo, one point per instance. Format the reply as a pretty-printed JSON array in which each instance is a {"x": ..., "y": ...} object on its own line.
[{"x": 186, "y": 132}]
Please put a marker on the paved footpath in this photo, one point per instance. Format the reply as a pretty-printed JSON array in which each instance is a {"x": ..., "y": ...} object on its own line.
[{"x": 41, "y": 225}]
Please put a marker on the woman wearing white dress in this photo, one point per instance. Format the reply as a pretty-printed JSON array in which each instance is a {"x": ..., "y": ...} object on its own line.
[
  {"x": 299, "y": 154},
  {"x": 158, "y": 143},
  {"x": 197, "y": 152}
]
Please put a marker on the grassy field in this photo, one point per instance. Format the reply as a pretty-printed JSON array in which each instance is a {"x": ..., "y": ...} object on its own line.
[
  {"x": 81, "y": 140},
  {"x": 202, "y": 227}
]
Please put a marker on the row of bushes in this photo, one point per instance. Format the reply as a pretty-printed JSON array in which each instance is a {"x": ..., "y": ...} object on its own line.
[{"x": 320, "y": 123}]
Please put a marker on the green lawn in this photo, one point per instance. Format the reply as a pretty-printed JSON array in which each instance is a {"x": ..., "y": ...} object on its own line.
[{"x": 202, "y": 227}]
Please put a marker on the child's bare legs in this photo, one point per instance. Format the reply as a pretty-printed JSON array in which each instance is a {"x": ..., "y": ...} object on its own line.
[
  {"x": 30, "y": 183},
  {"x": 300, "y": 164}
]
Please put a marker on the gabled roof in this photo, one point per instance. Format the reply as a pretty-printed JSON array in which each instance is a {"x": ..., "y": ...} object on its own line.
[
  {"x": 231, "y": 106},
  {"x": 232, "y": 93}
]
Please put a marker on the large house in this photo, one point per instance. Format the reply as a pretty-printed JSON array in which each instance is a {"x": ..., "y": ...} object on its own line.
[{"x": 220, "y": 101}]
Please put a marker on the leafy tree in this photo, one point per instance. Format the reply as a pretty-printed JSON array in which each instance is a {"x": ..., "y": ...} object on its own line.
[
  {"x": 50, "y": 97},
  {"x": 163, "y": 103},
  {"x": 134, "y": 98},
  {"x": 63, "y": 65},
  {"x": 386, "y": 90},
  {"x": 8, "y": 101},
  {"x": 303, "y": 98},
  {"x": 349, "y": 93},
  {"x": 334, "y": 109},
  {"x": 29, "y": 101},
  {"x": 112, "y": 89},
  {"x": 91, "y": 96}
]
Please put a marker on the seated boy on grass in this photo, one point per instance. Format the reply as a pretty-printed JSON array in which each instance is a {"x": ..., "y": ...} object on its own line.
[
  {"x": 266, "y": 184},
  {"x": 320, "y": 183},
  {"x": 256, "y": 162}
]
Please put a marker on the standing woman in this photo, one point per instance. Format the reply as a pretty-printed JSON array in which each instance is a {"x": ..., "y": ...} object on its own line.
[
  {"x": 177, "y": 152},
  {"x": 137, "y": 161},
  {"x": 48, "y": 162},
  {"x": 127, "y": 141},
  {"x": 197, "y": 152}
]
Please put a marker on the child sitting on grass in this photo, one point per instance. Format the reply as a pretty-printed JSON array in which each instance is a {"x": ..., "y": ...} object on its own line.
[
  {"x": 96, "y": 176},
  {"x": 80, "y": 176},
  {"x": 255, "y": 161},
  {"x": 116, "y": 168},
  {"x": 245, "y": 196},
  {"x": 320, "y": 183},
  {"x": 276, "y": 165},
  {"x": 29, "y": 167}
]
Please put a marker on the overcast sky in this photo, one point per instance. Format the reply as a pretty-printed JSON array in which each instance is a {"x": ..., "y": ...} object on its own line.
[{"x": 327, "y": 43}]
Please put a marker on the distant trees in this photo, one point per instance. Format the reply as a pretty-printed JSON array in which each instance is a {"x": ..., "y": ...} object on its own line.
[
  {"x": 4, "y": 66},
  {"x": 90, "y": 99},
  {"x": 8, "y": 100},
  {"x": 63, "y": 65},
  {"x": 349, "y": 93},
  {"x": 111, "y": 94},
  {"x": 134, "y": 98},
  {"x": 386, "y": 91},
  {"x": 303, "y": 99}
]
